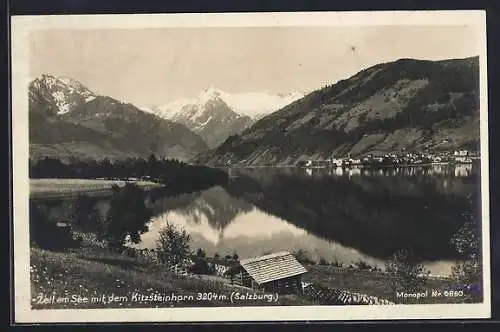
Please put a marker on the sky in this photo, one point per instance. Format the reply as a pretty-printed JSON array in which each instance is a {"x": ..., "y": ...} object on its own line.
[{"x": 157, "y": 66}]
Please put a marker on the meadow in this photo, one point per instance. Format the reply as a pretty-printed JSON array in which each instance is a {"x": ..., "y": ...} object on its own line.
[
  {"x": 97, "y": 273},
  {"x": 375, "y": 283},
  {"x": 48, "y": 188}
]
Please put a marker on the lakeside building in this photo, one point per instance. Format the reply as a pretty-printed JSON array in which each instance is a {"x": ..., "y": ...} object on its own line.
[
  {"x": 462, "y": 156},
  {"x": 394, "y": 159}
]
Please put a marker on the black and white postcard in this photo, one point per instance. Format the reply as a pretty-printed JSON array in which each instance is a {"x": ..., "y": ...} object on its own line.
[{"x": 250, "y": 167}]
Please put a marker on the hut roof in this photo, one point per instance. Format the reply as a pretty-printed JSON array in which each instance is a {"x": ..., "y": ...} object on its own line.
[{"x": 272, "y": 267}]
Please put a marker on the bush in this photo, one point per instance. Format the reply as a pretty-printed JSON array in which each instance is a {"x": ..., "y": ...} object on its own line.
[
  {"x": 303, "y": 256},
  {"x": 468, "y": 274},
  {"x": 201, "y": 267},
  {"x": 362, "y": 265},
  {"x": 173, "y": 245},
  {"x": 407, "y": 274}
]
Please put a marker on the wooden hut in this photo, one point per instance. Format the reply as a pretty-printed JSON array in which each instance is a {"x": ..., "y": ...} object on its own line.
[{"x": 279, "y": 272}]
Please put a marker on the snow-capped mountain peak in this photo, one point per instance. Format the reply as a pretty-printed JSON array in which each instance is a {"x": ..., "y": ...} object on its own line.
[
  {"x": 63, "y": 92},
  {"x": 209, "y": 94},
  {"x": 252, "y": 104}
]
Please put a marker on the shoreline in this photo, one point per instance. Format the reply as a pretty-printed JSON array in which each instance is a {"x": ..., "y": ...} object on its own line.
[{"x": 352, "y": 166}]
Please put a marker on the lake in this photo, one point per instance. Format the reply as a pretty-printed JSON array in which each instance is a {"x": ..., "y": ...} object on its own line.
[{"x": 331, "y": 214}]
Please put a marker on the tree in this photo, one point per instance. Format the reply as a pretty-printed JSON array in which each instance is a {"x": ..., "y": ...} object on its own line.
[
  {"x": 406, "y": 272},
  {"x": 127, "y": 217},
  {"x": 49, "y": 168},
  {"x": 468, "y": 273},
  {"x": 86, "y": 217},
  {"x": 173, "y": 244},
  {"x": 105, "y": 167},
  {"x": 153, "y": 166},
  {"x": 44, "y": 232}
]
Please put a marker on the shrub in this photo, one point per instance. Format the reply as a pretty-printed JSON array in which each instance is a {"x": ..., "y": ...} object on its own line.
[
  {"x": 201, "y": 267},
  {"x": 468, "y": 274},
  {"x": 407, "y": 274},
  {"x": 303, "y": 256},
  {"x": 362, "y": 265},
  {"x": 173, "y": 245}
]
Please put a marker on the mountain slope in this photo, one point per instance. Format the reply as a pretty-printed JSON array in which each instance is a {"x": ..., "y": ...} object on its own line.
[
  {"x": 399, "y": 106},
  {"x": 75, "y": 124}
]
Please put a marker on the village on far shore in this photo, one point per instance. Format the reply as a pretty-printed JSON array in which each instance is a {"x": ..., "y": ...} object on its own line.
[{"x": 396, "y": 159}]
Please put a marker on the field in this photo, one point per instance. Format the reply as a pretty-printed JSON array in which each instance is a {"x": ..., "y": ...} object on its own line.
[{"x": 47, "y": 188}]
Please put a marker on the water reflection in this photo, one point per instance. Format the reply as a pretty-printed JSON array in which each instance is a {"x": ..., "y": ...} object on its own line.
[
  {"x": 462, "y": 170},
  {"x": 335, "y": 214}
]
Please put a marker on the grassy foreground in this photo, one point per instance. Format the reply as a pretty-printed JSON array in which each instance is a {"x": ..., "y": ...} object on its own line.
[
  {"x": 44, "y": 188},
  {"x": 93, "y": 277},
  {"x": 97, "y": 278},
  {"x": 376, "y": 284}
]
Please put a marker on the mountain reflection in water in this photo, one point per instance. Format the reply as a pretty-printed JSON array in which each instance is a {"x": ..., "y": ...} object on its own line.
[
  {"x": 334, "y": 214},
  {"x": 357, "y": 214}
]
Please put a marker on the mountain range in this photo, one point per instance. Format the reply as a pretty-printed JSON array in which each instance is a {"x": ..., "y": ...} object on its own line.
[
  {"x": 66, "y": 119},
  {"x": 405, "y": 105},
  {"x": 215, "y": 115}
]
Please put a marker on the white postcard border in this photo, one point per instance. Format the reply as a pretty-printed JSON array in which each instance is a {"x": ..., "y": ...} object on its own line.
[{"x": 21, "y": 27}]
